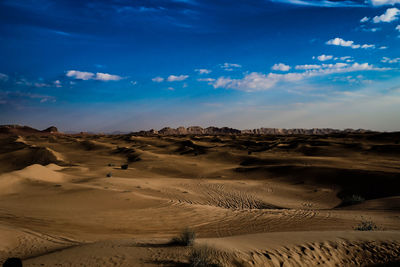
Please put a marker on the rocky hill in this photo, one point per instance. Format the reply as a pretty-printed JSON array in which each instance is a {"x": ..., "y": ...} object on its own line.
[{"x": 21, "y": 130}]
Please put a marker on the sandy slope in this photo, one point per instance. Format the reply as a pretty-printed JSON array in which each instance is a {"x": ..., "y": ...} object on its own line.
[{"x": 261, "y": 201}]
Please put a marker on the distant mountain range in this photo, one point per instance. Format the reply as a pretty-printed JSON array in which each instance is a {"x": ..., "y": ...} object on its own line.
[
  {"x": 197, "y": 130},
  {"x": 193, "y": 130}
]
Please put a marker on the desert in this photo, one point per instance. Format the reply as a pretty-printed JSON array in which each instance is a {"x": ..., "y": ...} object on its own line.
[
  {"x": 199, "y": 133},
  {"x": 329, "y": 199}
]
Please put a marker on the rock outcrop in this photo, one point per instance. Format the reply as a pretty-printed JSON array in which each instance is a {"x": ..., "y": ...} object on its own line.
[{"x": 51, "y": 129}]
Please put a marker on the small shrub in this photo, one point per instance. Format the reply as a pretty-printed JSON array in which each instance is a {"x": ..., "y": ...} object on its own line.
[
  {"x": 88, "y": 145},
  {"x": 186, "y": 238},
  {"x": 134, "y": 157},
  {"x": 204, "y": 256},
  {"x": 366, "y": 225},
  {"x": 353, "y": 199},
  {"x": 109, "y": 174},
  {"x": 124, "y": 166},
  {"x": 111, "y": 164}
]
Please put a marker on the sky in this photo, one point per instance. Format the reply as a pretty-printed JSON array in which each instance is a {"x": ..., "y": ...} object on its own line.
[{"x": 122, "y": 65}]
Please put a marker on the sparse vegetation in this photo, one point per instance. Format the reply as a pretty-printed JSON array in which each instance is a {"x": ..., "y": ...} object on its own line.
[
  {"x": 204, "y": 256},
  {"x": 366, "y": 225},
  {"x": 134, "y": 157},
  {"x": 124, "y": 166},
  {"x": 130, "y": 152},
  {"x": 109, "y": 174},
  {"x": 88, "y": 145},
  {"x": 186, "y": 238},
  {"x": 353, "y": 199},
  {"x": 111, "y": 164}
]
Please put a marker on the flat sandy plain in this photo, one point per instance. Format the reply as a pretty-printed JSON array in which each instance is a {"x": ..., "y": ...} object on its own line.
[{"x": 255, "y": 200}]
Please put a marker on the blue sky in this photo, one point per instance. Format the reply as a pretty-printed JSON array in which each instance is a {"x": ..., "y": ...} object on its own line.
[{"x": 133, "y": 65}]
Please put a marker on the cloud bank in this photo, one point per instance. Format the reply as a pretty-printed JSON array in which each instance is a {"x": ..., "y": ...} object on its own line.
[{"x": 260, "y": 82}]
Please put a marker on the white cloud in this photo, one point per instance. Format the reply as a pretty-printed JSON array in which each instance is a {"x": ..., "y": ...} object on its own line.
[
  {"x": 383, "y": 47},
  {"x": 344, "y": 67},
  {"x": 3, "y": 77},
  {"x": 83, "y": 75},
  {"x": 324, "y": 57},
  {"x": 364, "y": 19},
  {"x": 230, "y": 66},
  {"x": 171, "y": 88},
  {"x": 307, "y": 67},
  {"x": 251, "y": 82},
  {"x": 133, "y": 82},
  {"x": 281, "y": 67},
  {"x": 158, "y": 79},
  {"x": 366, "y": 46},
  {"x": 384, "y": 2},
  {"x": 203, "y": 71},
  {"x": 260, "y": 82},
  {"x": 390, "y": 60},
  {"x": 107, "y": 77},
  {"x": 340, "y": 42},
  {"x": 390, "y": 15},
  {"x": 346, "y": 58},
  {"x": 80, "y": 75},
  {"x": 173, "y": 78},
  {"x": 398, "y": 28}
]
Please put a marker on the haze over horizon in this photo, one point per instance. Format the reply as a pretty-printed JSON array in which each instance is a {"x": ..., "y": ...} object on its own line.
[{"x": 136, "y": 65}]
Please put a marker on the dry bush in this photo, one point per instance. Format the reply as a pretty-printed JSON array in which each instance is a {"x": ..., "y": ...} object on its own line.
[
  {"x": 134, "y": 157},
  {"x": 366, "y": 225},
  {"x": 353, "y": 199},
  {"x": 88, "y": 145},
  {"x": 186, "y": 238}
]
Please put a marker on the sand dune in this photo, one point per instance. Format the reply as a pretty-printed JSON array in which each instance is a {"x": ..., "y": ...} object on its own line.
[{"x": 258, "y": 200}]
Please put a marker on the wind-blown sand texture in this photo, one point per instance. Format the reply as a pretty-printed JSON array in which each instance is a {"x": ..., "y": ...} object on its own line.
[{"x": 256, "y": 200}]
